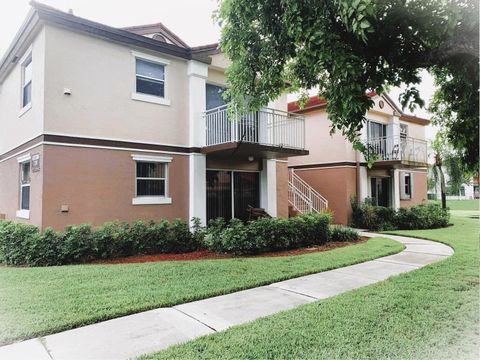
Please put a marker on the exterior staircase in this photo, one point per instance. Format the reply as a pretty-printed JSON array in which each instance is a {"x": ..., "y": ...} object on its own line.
[{"x": 302, "y": 198}]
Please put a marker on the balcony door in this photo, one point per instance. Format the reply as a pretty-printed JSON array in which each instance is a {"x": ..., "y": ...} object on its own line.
[
  {"x": 229, "y": 193},
  {"x": 377, "y": 138}
]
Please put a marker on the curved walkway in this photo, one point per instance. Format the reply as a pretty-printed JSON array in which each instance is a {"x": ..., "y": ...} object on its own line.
[{"x": 130, "y": 336}]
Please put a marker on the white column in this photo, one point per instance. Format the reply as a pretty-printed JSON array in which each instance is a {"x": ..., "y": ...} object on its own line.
[
  {"x": 363, "y": 188},
  {"x": 197, "y": 74},
  {"x": 198, "y": 187},
  {"x": 268, "y": 187},
  {"x": 396, "y": 189}
]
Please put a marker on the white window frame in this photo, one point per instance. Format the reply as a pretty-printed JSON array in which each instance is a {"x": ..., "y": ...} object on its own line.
[
  {"x": 152, "y": 200},
  {"x": 146, "y": 97},
  {"x": 23, "y": 213},
  {"x": 27, "y": 60},
  {"x": 403, "y": 194}
]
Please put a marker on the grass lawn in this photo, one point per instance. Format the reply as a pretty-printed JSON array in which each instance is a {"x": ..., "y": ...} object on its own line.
[
  {"x": 462, "y": 204},
  {"x": 430, "y": 313},
  {"x": 40, "y": 301}
]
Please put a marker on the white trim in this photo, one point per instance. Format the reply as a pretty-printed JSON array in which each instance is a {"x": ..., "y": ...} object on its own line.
[
  {"x": 151, "y": 158},
  {"x": 151, "y": 99},
  {"x": 23, "y": 214},
  {"x": 151, "y": 200},
  {"x": 21, "y": 151},
  {"x": 322, "y": 162},
  {"x": 281, "y": 161},
  {"x": 24, "y": 158},
  {"x": 152, "y": 58},
  {"x": 25, "y": 109}
]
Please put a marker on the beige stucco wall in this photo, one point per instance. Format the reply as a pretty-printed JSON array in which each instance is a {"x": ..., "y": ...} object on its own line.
[
  {"x": 10, "y": 188},
  {"x": 323, "y": 147},
  {"x": 416, "y": 131},
  {"x": 98, "y": 186},
  {"x": 16, "y": 129},
  {"x": 101, "y": 77}
]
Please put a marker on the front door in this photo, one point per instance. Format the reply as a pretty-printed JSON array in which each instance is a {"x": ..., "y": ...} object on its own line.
[
  {"x": 380, "y": 191},
  {"x": 229, "y": 193}
]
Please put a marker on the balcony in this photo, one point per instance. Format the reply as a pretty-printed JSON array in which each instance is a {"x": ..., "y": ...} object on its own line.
[
  {"x": 398, "y": 150},
  {"x": 268, "y": 132}
]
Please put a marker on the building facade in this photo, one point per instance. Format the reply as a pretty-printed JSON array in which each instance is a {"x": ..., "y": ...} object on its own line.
[
  {"x": 100, "y": 124},
  {"x": 337, "y": 172}
]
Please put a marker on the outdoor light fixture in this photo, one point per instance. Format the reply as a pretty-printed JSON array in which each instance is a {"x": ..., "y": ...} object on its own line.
[{"x": 250, "y": 158}]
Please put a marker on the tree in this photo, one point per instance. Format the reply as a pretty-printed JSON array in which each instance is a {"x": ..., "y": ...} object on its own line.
[
  {"x": 439, "y": 153},
  {"x": 345, "y": 47}
]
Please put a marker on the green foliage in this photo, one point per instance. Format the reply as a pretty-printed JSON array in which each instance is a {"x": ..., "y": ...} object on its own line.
[
  {"x": 428, "y": 216},
  {"x": 343, "y": 234},
  {"x": 344, "y": 48},
  {"x": 22, "y": 244},
  {"x": 267, "y": 234}
]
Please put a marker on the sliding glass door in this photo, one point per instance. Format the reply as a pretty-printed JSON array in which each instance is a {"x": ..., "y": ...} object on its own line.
[{"x": 229, "y": 193}]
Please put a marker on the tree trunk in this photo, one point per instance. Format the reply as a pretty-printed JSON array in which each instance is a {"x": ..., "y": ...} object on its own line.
[{"x": 438, "y": 164}]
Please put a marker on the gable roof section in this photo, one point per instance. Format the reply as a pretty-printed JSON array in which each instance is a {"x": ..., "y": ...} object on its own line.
[
  {"x": 157, "y": 28},
  {"x": 317, "y": 103},
  {"x": 41, "y": 13}
]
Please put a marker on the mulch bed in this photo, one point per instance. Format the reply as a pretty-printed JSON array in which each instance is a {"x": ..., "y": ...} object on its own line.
[{"x": 207, "y": 255}]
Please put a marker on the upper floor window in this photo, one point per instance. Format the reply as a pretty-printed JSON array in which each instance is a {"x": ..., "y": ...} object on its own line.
[
  {"x": 376, "y": 130},
  {"x": 150, "y": 78},
  {"x": 403, "y": 131},
  {"x": 214, "y": 96},
  {"x": 27, "y": 82}
]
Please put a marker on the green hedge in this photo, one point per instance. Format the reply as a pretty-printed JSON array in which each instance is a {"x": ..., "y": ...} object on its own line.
[
  {"x": 428, "y": 216},
  {"x": 267, "y": 234},
  {"x": 22, "y": 244},
  {"x": 343, "y": 234}
]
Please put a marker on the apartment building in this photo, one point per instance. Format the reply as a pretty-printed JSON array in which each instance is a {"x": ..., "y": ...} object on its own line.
[
  {"x": 333, "y": 171},
  {"x": 99, "y": 123}
]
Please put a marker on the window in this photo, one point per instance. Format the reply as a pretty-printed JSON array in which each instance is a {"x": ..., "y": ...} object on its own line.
[
  {"x": 214, "y": 96},
  {"x": 406, "y": 186},
  {"x": 27, "y": 82},
  {"x": 25, "y": 185},
  {"x": 151, "y": 180},
  {"x": 150, "y": 78},
  {"x": 376, "y": 130},
  {"x": 403, "y": 131}
]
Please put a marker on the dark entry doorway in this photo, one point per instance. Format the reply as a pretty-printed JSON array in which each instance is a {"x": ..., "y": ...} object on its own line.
[
  {"x": 380, "y": 191},
  {"x": 229, "y": 193}
]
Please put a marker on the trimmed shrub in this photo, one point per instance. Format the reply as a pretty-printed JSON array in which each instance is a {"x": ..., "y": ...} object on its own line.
[
  {"x": 45, "y": 249},
  {"x": 343, "y": 234},
  {"x": 22, "y": 244},
  {"x": 112, "y": 240},
  {"x": 267, "y": 234},
  {"x": 78, "y": 244},
  {"x": 15, "y": 242},
  {"x": 427, "y": 216}
]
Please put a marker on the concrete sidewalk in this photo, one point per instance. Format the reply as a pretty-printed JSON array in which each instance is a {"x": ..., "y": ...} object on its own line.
[{"x": 131, "y": 336}]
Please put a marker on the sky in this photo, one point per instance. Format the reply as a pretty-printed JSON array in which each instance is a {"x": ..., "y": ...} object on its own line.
[{"x": 190, "y": 19}]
